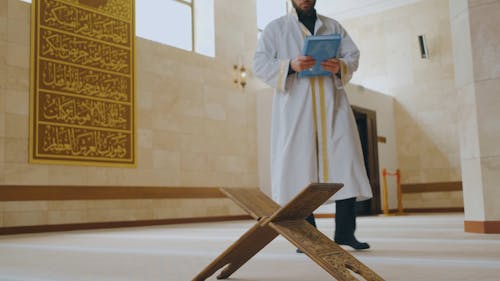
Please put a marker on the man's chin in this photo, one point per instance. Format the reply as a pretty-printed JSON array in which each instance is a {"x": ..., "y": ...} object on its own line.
[
  {"x": 306, "y": 9},
  {"x": 307, "y": 12}
]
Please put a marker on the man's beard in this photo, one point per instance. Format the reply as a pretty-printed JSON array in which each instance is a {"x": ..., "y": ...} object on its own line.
[{"x": 306, "y": 13}]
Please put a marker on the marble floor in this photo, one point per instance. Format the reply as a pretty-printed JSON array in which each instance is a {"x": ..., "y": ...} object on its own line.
[{"x": 414, "y": 247}]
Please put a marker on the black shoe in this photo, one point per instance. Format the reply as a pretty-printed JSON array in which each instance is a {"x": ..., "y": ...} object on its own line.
[
  {"x": 355, "y": 244},
  {"x": 299, "y": 251}
]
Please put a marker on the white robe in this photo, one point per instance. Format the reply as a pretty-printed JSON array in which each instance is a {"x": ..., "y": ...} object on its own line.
[{"x": 301, "y": 154}]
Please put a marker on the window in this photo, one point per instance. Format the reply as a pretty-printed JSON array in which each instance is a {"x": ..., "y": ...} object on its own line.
[
  {"x": 268, "y": 10},
  {"x": 171, "y": 22},
  {"x": 204, "y": 27},
  {"x": 177, "y": 23},
  {"x": 165, "y": 21}
]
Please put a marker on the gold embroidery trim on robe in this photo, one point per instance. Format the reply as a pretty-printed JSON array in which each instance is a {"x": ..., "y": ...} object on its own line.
[
  {"x": 283, "y": 66},
  {"x": 312, "y": 80},
  {"x": 343, "y": 72},
  {"x": 324, "y": 140}
]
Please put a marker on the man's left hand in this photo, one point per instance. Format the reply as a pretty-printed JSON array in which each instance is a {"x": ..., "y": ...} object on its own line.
[{"x": 332, "y": 65}]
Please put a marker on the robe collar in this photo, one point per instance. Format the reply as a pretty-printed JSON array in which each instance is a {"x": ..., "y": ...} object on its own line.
[{"x": 303, "y": 28}]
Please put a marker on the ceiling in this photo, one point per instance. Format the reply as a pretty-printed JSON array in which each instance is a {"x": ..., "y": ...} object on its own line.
[{"x": 342, "y": 9}]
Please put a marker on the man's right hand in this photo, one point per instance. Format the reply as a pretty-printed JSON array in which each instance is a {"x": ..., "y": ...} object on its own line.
[{"x": 302, "y": 63}]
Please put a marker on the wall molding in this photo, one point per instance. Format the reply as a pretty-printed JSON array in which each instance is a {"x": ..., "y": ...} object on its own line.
[
  {"x": 67, "y": 192},
  {"x": 114, "y": 224},
  {"x": 485, "y": 227},
  {"x": 431, "y": 210},
  {"x": 77, "y": 192},
  {"x": 80, "y": 192},
  {"x": 431, "y": 187},
  {"x": 406, "y": 210}
]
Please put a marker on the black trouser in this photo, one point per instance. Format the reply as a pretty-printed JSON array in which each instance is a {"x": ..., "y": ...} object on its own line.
[
  {"x": 310, "y": 219},
  {"x": 345, "y": 219}
]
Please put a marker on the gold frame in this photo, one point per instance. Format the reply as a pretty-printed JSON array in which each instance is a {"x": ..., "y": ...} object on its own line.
[{"x": 131, "y": 115}]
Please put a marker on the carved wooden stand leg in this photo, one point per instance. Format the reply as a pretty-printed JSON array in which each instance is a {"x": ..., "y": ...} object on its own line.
[
  {"x": 288, "y": 221},
  {"x": 240, "y": 252}
]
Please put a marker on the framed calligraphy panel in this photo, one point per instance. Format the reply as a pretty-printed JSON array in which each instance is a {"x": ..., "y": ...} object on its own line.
[{"x": 82, "y": 103}]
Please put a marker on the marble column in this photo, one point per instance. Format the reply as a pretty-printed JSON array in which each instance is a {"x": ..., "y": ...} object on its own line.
[{"x": 475, "y": 30}]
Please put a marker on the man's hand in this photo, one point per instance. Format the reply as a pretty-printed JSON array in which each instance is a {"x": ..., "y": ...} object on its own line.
[
  {"x": 301, "y": 63},
  {"x": 332, "y": 65}
]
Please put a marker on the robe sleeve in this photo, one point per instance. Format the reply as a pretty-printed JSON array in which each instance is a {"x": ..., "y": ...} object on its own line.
[
  {"x": 349, "y": 58},
  {"x": 266, "y": 64}
]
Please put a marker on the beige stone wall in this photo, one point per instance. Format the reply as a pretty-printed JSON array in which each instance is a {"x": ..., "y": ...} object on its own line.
[
  {"x": 485, "y": 35},
  {"x": 476, "y": 29},
  {"x": 195, "y": 128},
  {"x": 383, "y": 105},
  {"x": 83, "y": 211},
  {"x": 425, "y": 106},
  {"x": 439, "y": 200}
]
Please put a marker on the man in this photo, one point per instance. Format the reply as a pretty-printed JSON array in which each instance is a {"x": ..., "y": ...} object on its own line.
[{"x": 314, "y": 136}]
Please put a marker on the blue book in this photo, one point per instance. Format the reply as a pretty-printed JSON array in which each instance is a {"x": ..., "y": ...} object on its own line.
[{"x": 321, "y": 48}]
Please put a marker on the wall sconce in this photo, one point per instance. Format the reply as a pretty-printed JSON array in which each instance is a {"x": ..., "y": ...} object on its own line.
[
  {"x": 240, "y": 75},
  {"x": 424, "y": 52}
]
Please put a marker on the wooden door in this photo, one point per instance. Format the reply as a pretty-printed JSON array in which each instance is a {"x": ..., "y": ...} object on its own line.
[{"x": 367, "y": 128}]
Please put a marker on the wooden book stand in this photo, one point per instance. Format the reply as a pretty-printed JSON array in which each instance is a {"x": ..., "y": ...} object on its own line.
[{"x": 288, "y": 221}]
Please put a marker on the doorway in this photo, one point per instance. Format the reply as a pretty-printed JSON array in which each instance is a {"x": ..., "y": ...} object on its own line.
[{"x": 366, "y": 121}]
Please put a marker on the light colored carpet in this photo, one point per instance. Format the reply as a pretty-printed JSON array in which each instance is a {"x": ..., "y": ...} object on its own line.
[{"x": 416, "y": 248}]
